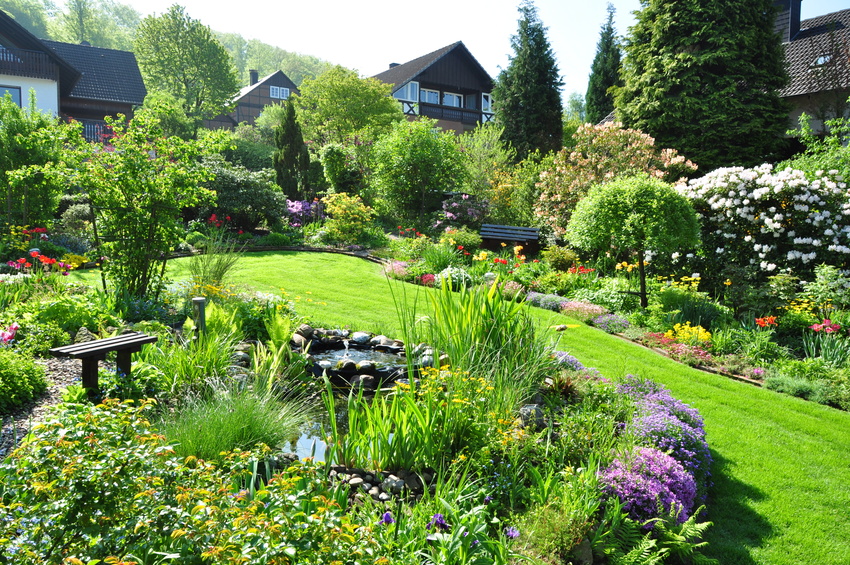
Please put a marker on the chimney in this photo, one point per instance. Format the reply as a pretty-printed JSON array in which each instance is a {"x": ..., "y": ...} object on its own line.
[
  {"x": 393, "y": 65},
  {"x": 253, "y": 77},
  {"x": 787, "y": 19}
]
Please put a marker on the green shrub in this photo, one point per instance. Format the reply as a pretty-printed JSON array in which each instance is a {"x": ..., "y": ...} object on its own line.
[
  {"x": 278, "y": 239},
  {"x": 410, "y": 248},
  {"x": 193, "y": 238},
  {"x": 469, "y": 240},
  {"x": 560, "y": 258},
  {"x": 37, "y": 338},
  {"x": 21, "y": 379},
  {"x": 615, "y": 294},
  {"x": 796, "y": 386}
]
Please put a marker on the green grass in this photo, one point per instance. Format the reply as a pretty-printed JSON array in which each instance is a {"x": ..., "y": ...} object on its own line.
[{"x": 782, "y": 465}]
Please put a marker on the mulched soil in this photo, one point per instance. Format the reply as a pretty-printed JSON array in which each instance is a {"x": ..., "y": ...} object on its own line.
[{"x": 60, "y": 373}]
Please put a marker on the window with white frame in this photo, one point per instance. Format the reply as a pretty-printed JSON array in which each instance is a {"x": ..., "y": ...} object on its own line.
[
  {"x": 279, "y": 92},
  {"x": 452, "y": 99},
  {"x": 409, "y": 92},
  {"x": 13, "y": 91},
  {"x": 486, "y": 102},
  {"x": 429, "y": 96}
]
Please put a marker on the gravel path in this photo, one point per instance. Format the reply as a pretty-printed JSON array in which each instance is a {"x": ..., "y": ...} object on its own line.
[{"x": 60, "y": 373}]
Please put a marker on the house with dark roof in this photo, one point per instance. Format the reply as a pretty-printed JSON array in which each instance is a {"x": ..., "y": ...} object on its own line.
[
  {"x": 449, "y": 85},
  {"x": 78, "y": 82},
  {"x": 817, "y": 55},
  {"x": 249, "y": 103}
]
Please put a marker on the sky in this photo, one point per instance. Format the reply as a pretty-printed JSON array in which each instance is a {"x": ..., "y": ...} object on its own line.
[{"x": 368, "y": 35}]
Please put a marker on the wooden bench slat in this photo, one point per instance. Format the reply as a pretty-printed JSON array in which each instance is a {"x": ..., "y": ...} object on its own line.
[{"x": 101, "y": 346}]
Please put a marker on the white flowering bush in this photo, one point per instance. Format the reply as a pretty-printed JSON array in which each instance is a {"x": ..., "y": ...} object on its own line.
[{"x": 770, "y": 220}]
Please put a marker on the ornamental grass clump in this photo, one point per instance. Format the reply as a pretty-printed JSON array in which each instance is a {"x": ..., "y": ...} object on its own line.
[{"x": 650, "y": 484}]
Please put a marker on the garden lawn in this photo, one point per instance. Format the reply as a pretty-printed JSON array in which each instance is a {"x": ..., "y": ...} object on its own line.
[{"x": 782, "y": 465}]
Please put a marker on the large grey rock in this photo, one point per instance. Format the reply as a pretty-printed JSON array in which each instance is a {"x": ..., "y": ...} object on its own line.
[
  {"x": 84, "y": 335},
  {"x": 531, "y": 415},
  {"x": 361, "y": 338}
]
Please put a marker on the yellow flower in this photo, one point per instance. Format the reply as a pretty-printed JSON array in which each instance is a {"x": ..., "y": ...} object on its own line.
[{"x": 727, "y": 282}]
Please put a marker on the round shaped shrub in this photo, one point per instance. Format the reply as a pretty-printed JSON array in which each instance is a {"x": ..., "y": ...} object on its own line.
[
  {"x": 648, "y": 481},
  {"x": 560, "y": 258},
  {"x": 20, "y": 380}
]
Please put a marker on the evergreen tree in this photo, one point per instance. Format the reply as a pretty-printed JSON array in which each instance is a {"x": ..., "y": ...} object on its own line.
[
  {"x": 527, "y": 94},
  {"x": 703, "y": 77},
  {"x": 604, "y": 73},
  {"x": 291, "y": 160}
]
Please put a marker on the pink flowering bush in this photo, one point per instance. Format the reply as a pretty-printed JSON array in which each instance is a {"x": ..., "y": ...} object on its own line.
[
  {"x": 601, "y": 152},
  {"x": 582, "y": 310}
]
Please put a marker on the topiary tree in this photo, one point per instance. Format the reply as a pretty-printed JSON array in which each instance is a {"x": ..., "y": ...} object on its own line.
[
  {"x": 638, "y": 214},
  {"x": 413, "y": 166}
]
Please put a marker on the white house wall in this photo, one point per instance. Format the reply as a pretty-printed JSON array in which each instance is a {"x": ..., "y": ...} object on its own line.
[{"x": 46, "y": 91}]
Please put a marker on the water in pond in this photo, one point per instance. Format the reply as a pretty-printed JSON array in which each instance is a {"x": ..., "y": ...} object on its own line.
[{"x": 358, "y": 355}]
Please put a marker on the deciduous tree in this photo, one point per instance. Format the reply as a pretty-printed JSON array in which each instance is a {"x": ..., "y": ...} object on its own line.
[
  {"x": 180, "y": 56},
  {"x": 604, "y": 72},
  {"x": 636, "y": 214},
  {"x": 527, "y": 94},
  {"x": 703, "y": 77},
  {"x": 338, "y": 105}
]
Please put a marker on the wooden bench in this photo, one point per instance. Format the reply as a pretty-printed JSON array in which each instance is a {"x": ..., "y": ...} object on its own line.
[
  {"x": 493, "y": 235},
  {"x": 93, "y": 351}
]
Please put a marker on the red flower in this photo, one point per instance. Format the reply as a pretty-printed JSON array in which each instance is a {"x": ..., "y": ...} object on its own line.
[
  {"x": 22, "y": 260},
  {"x": 33, "y": 253},
  {"x": 460, "y": 247},
  {"x": 213, "y": 219},
  {"x": 240, "y": 232},
  {"x": 227, "y": 218},
  {"x": 27, "y": 264}
]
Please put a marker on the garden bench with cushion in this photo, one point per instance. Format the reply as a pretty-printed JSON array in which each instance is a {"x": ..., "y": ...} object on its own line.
[
  {"x": 493, "y": 235},
  {"x": 93, "y": 351}
]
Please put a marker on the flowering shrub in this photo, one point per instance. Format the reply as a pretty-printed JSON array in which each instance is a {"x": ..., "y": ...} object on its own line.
[
  {"x": 454, "y": 277},
  {"x": 397, "y": 270},
  {"x": 666, "y": 423},
  {"x": 601, "y": 152},
  {"x": 771, "y": 220},
  {"x": 462, "y": 210},
  {"x": 582, "y": 310},
  {"x": 464, "y": 237},
  {"x": 610, "y": 323},
  {"x": 827, "y": 326},
  {"x": 647, "y": 479},
  {"x": 692, "y": 355},
  {"x": 512, "y": 289},
  {"x": 686, "y": 333},
  {"x": 567, "y": 361},
  {"x": 303, "y": 212}
]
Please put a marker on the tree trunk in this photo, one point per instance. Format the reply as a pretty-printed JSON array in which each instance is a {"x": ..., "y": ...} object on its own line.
[{"x": 644, "y": 302}]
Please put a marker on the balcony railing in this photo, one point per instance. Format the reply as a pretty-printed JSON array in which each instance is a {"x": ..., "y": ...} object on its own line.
[
  {"x": 450, "y": 113},
  {"x": 20, "y": 62},
  {"x": 95, "y": 130}
]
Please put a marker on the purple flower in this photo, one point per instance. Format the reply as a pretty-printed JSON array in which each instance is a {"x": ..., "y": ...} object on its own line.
[
  {"x": 488, "y": 499},
  {"x": 511, "y": 533},
  {"x": 438, "y": 522},
  {"x": 387, "y": 518},
  {"x": 647, "y": 478},
  {"x": 567, "y": 361}
]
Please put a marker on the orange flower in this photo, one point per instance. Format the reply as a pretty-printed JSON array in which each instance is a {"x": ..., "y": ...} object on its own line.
[{"x": 766, "y": 321}]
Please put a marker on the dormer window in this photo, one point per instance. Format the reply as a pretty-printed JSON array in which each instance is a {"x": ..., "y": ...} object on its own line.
[
  {"x": 409, "y": 92},
  {"x": 279, "y": 92}
]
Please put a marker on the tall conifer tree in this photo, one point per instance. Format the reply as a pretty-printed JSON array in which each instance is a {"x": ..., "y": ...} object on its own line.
[
  {"x": 604, "y": 73},
  {"x": 703, "y": 77},
  {"x": 528, "y": 93},
  {"x": 291, "y": 160}
]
